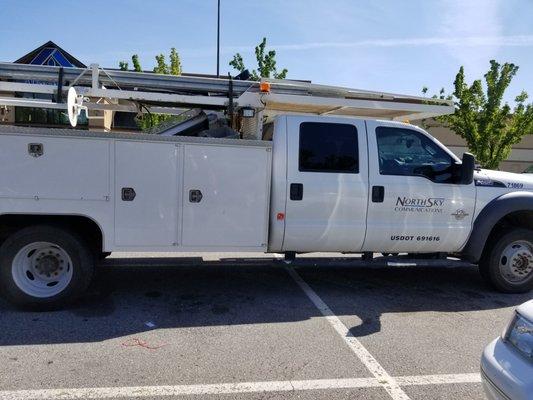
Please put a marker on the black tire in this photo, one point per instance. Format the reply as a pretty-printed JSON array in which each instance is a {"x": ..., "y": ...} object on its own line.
[
  {"x": 494, "y": 254},
  {"x": 82, "y": 266}
]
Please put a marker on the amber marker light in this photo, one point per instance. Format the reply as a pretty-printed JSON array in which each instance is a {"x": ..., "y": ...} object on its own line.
[{"x": 264, "y": 87}]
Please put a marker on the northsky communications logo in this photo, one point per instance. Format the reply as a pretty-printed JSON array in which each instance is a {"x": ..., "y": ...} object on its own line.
[{"x": 414, "y": 204}]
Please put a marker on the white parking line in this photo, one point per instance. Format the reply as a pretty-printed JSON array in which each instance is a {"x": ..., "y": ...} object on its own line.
[
  {"x": 228, "y": 388},
  {"x": 438, "y": 379},
  {"x": 386, "y": 381}
]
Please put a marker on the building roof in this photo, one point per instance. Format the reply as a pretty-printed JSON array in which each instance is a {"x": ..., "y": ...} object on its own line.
[{"x": 50, "y": 54}]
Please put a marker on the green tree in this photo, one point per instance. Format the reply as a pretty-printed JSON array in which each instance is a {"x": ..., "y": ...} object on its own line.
[
  {"x": 148, "y": 121},
  {"x": 136, "y": 63},
  {"x": 124, "y": 65},
  {"x": 489, "y": 126},
  {"x": 266, "y": 63},
  {"x": 161, "y": 65},
  {"x": 175, "y": 62}
]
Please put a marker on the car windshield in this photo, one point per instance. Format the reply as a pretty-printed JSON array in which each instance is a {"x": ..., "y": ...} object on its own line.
[{"x": 529, "y": 170}]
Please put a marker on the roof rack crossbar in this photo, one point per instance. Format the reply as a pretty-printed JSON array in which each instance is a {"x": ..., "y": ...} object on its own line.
[{"x": 168, "y": 92}]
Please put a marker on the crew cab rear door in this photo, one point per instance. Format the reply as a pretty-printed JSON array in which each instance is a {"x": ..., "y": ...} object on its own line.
[
  {"x": 327, "y": 184},
  {"x": 415, "y": 203}
]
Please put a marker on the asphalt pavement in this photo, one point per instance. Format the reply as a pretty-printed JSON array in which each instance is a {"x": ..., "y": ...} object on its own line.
[{"x": 197, "y": 327}]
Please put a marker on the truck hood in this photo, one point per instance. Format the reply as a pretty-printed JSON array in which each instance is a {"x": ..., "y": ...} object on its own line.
[{"x": 487, "y": 177}]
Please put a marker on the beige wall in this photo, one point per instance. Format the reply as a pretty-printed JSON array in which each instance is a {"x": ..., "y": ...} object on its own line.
[{"x": 521, "y": 156}]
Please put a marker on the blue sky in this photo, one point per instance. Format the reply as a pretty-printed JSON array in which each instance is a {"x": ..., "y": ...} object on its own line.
[{"x": 388, "y": 45}]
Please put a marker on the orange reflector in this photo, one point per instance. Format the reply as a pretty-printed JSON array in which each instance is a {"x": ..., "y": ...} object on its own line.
[
  {"x": 264, "y": 87},
  {"x": 280, "y": 216}
]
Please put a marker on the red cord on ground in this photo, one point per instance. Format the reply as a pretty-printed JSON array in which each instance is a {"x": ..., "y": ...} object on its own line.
[{"x": 134, "y": 342}]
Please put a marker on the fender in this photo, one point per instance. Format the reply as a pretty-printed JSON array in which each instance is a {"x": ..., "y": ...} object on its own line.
[{"x": 489, "y": 217}]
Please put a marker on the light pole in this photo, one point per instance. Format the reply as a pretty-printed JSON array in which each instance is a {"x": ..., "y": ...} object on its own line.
[{"x": 218, "y": 40}]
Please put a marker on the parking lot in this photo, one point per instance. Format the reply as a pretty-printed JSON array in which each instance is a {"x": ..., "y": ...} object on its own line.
[{"x": 256, "y": 328}]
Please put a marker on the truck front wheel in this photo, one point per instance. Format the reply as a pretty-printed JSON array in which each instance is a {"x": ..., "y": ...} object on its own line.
[
  {"x": 43, "y": 267},
  {"x": 507, "y": 262}
]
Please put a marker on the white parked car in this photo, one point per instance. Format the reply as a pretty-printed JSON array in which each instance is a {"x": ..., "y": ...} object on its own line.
[{"x": 507, "y": 363}]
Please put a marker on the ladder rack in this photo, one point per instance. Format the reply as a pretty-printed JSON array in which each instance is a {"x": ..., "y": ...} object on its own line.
[{"x": 116, "y": 90}]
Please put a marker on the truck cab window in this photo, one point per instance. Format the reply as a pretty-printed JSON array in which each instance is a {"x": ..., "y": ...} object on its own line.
[
  {"x": 408, "y": 152},
  {"x": 328, "y": 147}
]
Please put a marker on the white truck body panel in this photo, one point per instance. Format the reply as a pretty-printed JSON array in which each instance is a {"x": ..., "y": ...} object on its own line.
[
  {"x": 83, "y": 173},
  {"x": 332, "y": 213},
  {"x": 493, "y": 184},
  {"x": 151, "y": 169},
  {"x": 278, "y": 194},
  {"x": 416, "y": 214},
  {"x": 235, "y": 183},
  {"x": 85, "y": 178}
]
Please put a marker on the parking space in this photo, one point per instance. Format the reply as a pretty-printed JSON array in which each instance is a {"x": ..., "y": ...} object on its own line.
[
  {"x": 253, "y": 329},
  {"x": 416, "y": 321}
]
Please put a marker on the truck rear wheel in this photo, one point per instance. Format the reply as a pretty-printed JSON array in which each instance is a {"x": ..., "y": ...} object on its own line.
[
  {"x": 507, "y": 263},
  {"x": 43, "y": 267}
]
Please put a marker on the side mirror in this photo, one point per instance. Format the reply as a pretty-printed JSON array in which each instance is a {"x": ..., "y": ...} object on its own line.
[{"x": 467, "y": 169}]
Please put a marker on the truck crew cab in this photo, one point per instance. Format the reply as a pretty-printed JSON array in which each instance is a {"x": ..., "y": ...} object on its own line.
[{"x": 306, "y": 183}]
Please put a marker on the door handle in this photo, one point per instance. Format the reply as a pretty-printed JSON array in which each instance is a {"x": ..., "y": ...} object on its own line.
[
  {"x": 195, "y": 196},
  {"x": 378, "y": 194},
  {"x": 127, "y": 194},
  {"x": 297, "y": 191}
]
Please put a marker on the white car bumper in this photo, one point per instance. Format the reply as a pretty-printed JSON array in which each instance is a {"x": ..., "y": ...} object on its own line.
[{"x": 506, "y": 374}]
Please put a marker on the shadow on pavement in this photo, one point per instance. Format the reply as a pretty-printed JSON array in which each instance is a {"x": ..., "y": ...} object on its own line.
[
  {"x": 171, "y": 293},
  {"x": 370, "y": 293}
]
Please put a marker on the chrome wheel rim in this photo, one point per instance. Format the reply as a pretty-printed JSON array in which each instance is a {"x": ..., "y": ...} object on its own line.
[
  {"x": 516, "y": 261},
  {"x": 42, "y": 269}
]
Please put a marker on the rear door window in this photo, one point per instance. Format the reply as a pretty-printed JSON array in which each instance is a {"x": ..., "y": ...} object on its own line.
[{"x": 328, "y": 147}]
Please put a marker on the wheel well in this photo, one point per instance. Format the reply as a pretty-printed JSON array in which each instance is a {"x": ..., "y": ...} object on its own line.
[
  {"x": 517, "y": 219},
  {"x": 87, "y": 228}
]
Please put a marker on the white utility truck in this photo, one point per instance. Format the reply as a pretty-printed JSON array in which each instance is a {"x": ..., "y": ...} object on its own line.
[{"x": 311, "y": 170}]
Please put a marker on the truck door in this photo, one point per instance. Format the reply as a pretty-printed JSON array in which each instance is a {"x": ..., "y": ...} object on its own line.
[
  {"x": 415, "y": 204},
  {"x": 327, "y": 184}
]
